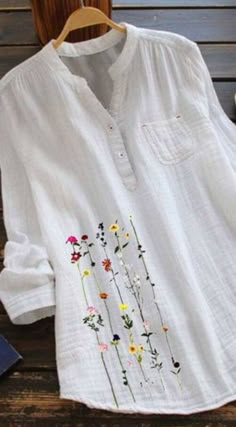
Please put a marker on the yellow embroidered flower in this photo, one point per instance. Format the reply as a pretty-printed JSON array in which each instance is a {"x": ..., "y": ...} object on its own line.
[
  {"x": 127, "y": 234},
  {"x": 86, "y": 272},
  {"x": 141, "y": 347},
  {"x": 132, "y": 348},
  {"x": 113, "y": 227},
  {"x": 123, "y": 306}
]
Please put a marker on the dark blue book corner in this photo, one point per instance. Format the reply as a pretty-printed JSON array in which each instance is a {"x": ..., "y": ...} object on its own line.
[{"x": 8, "y": 355}]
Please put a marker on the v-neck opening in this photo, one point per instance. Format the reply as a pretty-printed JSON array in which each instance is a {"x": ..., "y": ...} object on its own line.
[
  {"x": 117, "y": 70},
  {"x": 91, "y": 46}
]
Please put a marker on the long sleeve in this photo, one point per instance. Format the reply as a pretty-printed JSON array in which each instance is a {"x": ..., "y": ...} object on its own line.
[
  {"x": 27, "y": 285},
  {"x": 204, "y": 86}
]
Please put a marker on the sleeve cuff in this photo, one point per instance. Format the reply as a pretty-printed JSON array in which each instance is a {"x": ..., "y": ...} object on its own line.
[{"x": 32, "y": 305}]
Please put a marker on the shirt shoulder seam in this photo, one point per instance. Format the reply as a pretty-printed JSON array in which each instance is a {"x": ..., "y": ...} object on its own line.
[
  {"x": 169, "y": 38},
  {"x": 14, "y": 73}
]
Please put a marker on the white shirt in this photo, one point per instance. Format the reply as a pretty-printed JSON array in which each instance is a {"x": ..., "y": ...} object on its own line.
[{"x": 118, "y": 169}]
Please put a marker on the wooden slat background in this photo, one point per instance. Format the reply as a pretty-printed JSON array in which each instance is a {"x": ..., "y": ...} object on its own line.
[{"x": 29, "y": 391}]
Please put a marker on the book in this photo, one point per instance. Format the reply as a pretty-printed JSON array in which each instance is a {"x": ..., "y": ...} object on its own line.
[{"x": 8, "y": 355}]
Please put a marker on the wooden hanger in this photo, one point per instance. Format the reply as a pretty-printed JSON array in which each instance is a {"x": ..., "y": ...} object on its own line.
[{"x": 84, "y": 17}]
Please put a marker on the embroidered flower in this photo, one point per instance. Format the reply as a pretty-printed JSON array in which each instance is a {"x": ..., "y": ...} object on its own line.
[
  {"x": 84, "y": 237},
  {"x": 130, "y": 217},
  {"x": 123, "y": 306},
  {"x": 75, "y": 256},
  {"x": 136, "y": 278},
  {"x": 165, "y": 328},
  {"x": 127, "y": 234},
  {"x": 103, "y": 295},
  {"x": 113, "y": 227},
  {"x": 72, "y": 239},
  {"x": 115, "y": 340},
  {"x": 140, "y": 347},
  {"x": 146, "y": 324},
  {"x": 102, "y": 346},
  {"x": 86, "y": 272},
  {"x": 132, "y": 348},
  {"x": 91, "y": 309},
  {"x": 106, "y": 264}
]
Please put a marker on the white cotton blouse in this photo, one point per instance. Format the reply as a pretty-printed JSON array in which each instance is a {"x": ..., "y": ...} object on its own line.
[{"x": 118, "y": 168}]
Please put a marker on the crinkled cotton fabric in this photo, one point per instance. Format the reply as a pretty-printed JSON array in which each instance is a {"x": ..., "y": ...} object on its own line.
[{"x": 118, "y": 168}]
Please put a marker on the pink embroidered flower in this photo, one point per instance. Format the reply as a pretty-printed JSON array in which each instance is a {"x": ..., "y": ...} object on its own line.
[
  {"x": 72, "y": 239},
  {"x": 84, "y": 237},
  {"x": 92, "y": 309},
  {"x": 146, "y": 324},
  {"x": 75, "y": 256},
  {"x": 102, "y": 346}
]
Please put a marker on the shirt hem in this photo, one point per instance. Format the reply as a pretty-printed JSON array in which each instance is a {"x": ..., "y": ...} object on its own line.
[{"x": 223, "y": 400}]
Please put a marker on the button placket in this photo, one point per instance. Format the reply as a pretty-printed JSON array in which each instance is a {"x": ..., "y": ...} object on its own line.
[{"x": 123, "y": 163}]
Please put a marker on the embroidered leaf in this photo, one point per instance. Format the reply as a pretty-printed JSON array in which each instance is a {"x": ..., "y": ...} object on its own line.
[
  {"x": 173, "y": 372},
  {"x": 116, "y": 249},
  {"x": 125, "y": 245},
  {"x": 85, "y": 253},
  {"x": 91, "y": 244},
  {"x": 178, "y": 370},
  {"x": 147, "y": 278},
  {"x": 116, "y": 273},
  {"x": 140, "y": 255}
]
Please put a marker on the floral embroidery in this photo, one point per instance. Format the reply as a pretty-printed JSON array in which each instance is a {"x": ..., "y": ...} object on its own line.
[
  {"x": 165, "y": 328},
  {"x": 125, "y": 280}
]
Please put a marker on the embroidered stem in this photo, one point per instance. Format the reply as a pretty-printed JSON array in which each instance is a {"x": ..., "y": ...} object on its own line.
[
  {"x": 97, "y": 338},
  {"x": 165, "y": 329},
  {"x": 110, "y": 322}
]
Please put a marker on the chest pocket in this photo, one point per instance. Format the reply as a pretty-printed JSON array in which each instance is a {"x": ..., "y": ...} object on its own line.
[{"x": 171, "y": 140}]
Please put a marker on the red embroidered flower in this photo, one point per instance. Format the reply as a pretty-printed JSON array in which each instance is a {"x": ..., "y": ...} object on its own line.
[
  {"x": 106, "y": 264},
  {"x": 72, "y": 239},
  {"x": 103, "y": 295},
  {"x": 75, "y": 256},
  {"x": 84, "y": 237}
]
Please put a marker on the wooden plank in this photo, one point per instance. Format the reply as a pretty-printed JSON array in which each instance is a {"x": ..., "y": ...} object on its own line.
[
  {"x": 35, "y": 342},
  {"x": 198, "y": 25},
  {"x": 17, "y": 27},
  {"x": 32, "y": 399},
  {"x": 25, "y": 4}
]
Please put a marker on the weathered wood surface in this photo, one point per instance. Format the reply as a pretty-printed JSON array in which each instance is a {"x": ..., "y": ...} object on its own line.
[
  {"x": 32, "y": 399},
  {"x": 29, "y": 392},
  {"x": 25, "y": 4},
  {"x": 217, "y": 25}
]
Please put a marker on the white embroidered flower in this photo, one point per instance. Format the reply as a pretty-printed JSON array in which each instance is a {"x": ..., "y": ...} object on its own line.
[
  {"x": 136, "y": 278},
  {"x": 119, "y": 254}
]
